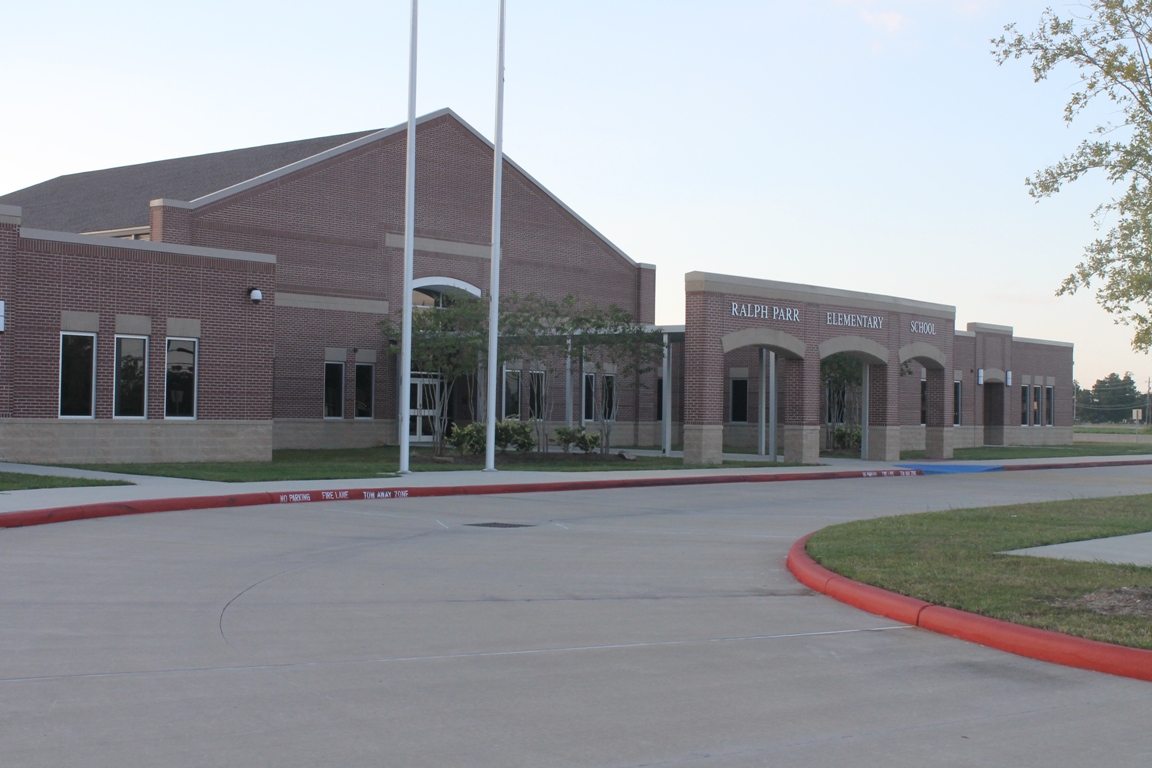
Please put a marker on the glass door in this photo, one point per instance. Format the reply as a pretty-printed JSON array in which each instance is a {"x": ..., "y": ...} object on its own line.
[{"x": 424, "y": 392}]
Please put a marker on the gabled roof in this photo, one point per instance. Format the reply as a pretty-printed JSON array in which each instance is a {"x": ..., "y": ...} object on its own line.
[{"x": 118, "y": 197}]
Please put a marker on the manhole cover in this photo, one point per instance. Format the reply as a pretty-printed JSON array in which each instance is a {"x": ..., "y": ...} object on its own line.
[{"x": 499, "y": 525}]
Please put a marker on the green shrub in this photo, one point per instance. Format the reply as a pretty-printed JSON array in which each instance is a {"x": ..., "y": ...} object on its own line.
[
  {"x": 586, "y": 441},
  {"x": 514, "y": 433},
  {"x": 469, "y": 440}
]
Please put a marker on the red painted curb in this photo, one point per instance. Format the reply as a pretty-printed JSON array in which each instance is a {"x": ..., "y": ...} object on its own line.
[
  {"x": 1078, "y": 465},
  {"x": 111, "y": 509},
  {"x": 1041, "y": 644}
]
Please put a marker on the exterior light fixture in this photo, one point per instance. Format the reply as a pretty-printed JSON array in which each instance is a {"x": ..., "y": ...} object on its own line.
[
  {"x": 256, "y": 295},
  {"x": 979, "y": 375},
  {"x": 1008, "y": 379}
]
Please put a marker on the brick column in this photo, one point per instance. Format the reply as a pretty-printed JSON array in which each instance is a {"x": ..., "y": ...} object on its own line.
[
  {"x": 884, "y": 412},
  {"x": 703, "y": 383},
  {"x": 801, "y": 401},
  {"x": 938, "y": 436},
  {"x": 10, "y": 220},
  {"x": 171, "y": 221}
]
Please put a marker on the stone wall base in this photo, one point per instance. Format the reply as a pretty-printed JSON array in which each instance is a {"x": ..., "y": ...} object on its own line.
[
  {"x": 801, "y": 444},
  {"x": 309, "y": 434},
  {"x": 883, "y": 443},
  {"x": 115, "y": 441},
  {"x": 938, "y": 442},
  {"x": 703, "y": 444}
]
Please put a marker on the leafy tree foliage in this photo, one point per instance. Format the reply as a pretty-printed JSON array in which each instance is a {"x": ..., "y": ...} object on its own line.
[
  {"x": 1109, "y": 43},
  {"x": 1111, "y": 399}
]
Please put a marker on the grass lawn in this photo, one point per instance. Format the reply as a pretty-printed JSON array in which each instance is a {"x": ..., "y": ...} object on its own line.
[
  {"x": 995, "y": 452},
  {"x": 1113, "y": 429},
  {"x": 384, "y": 462},
  {"x": 949, "y": 558},
  {"x": 18, "y": 481}
]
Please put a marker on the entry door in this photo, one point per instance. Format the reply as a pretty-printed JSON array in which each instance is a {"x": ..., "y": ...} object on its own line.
[
  {"x": 422, "y": 406},
  {"x": 993, "y": 414}
]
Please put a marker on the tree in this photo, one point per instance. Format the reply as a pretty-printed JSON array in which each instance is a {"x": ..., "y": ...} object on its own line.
[
  {"x": 1111, "y": 399},
  {"x": 447, "y": 340},
  {"x": 547, "y": 331},
  {"x": 1111, "y": 46}
]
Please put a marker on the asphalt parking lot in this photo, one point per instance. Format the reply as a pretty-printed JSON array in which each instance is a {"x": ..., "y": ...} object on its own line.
[{"x": 647, "y": 627}]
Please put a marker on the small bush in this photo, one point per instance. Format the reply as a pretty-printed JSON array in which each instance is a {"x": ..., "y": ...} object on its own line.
[
  {"x": 514, "y": 433},
  {"x": 469, "y": 440},
  {"x": 586, "y": 441},
  {"x": 472, "y": 439}
]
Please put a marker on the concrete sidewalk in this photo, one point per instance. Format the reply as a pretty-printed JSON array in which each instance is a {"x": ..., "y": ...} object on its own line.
[{"x": 152, "y": 487}]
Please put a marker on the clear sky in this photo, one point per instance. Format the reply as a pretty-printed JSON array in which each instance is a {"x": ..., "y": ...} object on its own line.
[{"x": 864, "y": 144}]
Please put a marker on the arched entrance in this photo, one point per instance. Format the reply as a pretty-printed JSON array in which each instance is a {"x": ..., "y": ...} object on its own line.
[{"x": 936, "y": 396}]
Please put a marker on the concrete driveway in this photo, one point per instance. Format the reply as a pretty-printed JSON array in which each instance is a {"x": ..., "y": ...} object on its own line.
[{"x": 653, "y": 627}]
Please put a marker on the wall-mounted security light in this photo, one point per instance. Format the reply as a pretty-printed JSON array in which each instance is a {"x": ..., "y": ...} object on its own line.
[
  {"x": 1008, "y": 379},
  {"x": 256, "y": 295},
  {"x": 979, "y": 375}
]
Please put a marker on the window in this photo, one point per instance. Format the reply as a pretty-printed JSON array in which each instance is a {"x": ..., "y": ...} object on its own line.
[
  {"x": 511, "y": 394},
  {"x": 333, "y": 390},
  {"x": 738, "y": 400},
  {"x": 1048, "y": 406},
  {"x": 131, "y": 381},
  {"x": 957, "y": 389},
  {"x": 1036, "y": 406},
  {"x": 589, "y": 397},
  {"x": 1024, "y": 390},
  {"x": 78, "y": 375},
  {"x": 923, "y": 402},
  {"x": 659, "y": 399},
  {"x": 536, "y": 395},
  {"x": 180, "y": 379},
  {"x": 365, "y": 378},
  {"x": 609, "y": 397}
]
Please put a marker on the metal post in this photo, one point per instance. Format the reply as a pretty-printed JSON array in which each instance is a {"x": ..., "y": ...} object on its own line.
[
  {"x": 666, "y": 402},
  {"x": 494, "y": 286},
  {"x": 568, "y": 386},
  {"x": 409, "y": 242},
  {"x": 773, "y": 455},
  {"x": 865, "y": 416},
  {"x": 762, "y": 403}
]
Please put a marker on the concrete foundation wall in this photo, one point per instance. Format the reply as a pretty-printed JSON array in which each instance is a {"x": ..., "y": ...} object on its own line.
[
  {"x": 332, "y": 433},
  {"x": 146, "y": 441},
  {"x": 912, "y": 438}
]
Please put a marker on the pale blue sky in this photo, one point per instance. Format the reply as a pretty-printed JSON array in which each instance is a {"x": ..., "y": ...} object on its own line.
[{"x": 864, "y": 144}]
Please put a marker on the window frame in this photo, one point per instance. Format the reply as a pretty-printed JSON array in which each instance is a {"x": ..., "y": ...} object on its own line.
[
  {"x": 957, "y": 399},
  {"x": 371, "y": 391},
  {"x": 519, "y": 393},
  {"x": 60, "y": 376},
  {"x": 343, "y": 387},
  {"x": 732, "y": 400},
  {"x": 606, "y": 402},
  {"x": 195, "y": 378},
  {"x": 588, "y": 404},
  {"x": 116, "y": 373},
  {"x": 923, "y": 402},
  {"x": 1049, "y": 409},
  {"x": 535, "y": 393},
  {"x": 1037, "y": 409},
  {"x": 1025, "y": 404}
]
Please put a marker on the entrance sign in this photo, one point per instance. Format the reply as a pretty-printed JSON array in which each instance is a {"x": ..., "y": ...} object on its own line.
[
  {"x": 919, "y": 326},
  {"x": 855, "y": 321}
]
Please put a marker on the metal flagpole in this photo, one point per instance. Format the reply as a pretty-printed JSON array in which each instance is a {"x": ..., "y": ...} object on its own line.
[
  {"x": 404, "y": 416},
  {"x": 494, "y": 286}
]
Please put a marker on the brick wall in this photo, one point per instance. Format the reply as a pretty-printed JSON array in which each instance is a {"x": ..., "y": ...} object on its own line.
[
  {"x": 48, "y": 277},
  {"x": 328, "y": 226}
]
